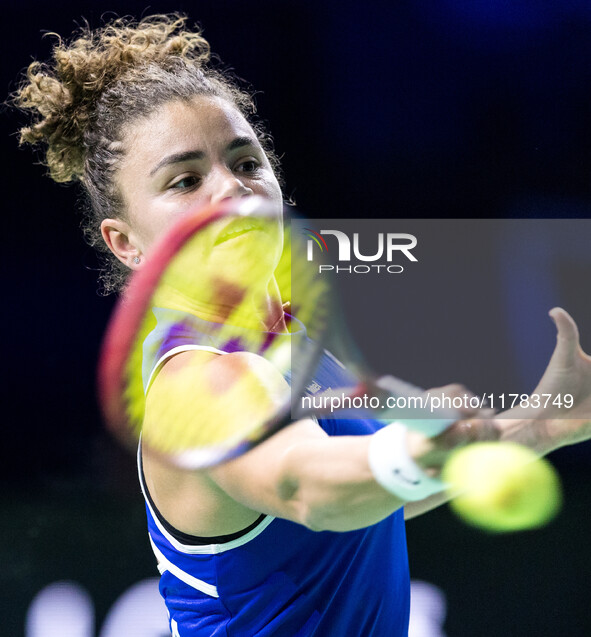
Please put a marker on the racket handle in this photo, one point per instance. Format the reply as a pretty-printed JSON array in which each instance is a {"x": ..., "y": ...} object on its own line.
[
  {"x": 418, "y": 416},
  {"x": 398, "y": 387}
]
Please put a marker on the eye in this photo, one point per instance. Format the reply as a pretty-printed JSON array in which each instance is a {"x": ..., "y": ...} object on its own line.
[
  {"x": 185, "y": 183},
  {"x": 249, "y": 166}
]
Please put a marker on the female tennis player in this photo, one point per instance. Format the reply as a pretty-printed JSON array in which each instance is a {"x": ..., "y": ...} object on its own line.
[{"x": 304, "y": 534}]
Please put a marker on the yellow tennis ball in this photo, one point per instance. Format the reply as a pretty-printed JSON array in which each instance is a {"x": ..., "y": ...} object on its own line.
[{"x": 503, "y": 487}]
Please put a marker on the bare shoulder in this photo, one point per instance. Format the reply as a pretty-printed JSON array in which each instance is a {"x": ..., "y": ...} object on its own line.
[{"x": 203, "y": 390}]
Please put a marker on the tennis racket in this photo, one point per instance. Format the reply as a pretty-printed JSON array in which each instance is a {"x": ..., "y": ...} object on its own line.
[{"x": 199, "y": 362}]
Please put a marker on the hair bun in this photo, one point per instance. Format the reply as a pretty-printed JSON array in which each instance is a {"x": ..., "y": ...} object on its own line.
[{"x": 62, "y": 95}]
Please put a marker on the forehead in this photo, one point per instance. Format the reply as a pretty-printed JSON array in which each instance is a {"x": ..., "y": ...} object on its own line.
[{"x": 204, "y": 123}]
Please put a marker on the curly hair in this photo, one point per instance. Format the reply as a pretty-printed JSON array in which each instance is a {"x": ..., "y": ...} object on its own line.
[{"x": 97, "y": 85}]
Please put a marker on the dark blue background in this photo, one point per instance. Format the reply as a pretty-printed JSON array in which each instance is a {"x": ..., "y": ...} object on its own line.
[{"x": 449, "y": 108}]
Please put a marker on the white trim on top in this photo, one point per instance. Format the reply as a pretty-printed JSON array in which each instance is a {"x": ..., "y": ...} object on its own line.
[
  {"x": 178, "y": 350},
  {"x": 194, "y": 582}
]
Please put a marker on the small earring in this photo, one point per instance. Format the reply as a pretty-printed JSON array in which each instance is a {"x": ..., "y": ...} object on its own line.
[{"x": 136, "y": 260}]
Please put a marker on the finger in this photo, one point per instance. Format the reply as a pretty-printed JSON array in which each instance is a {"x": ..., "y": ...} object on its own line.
[
  {"x": 453, "y": 389},
  {"x": 567, "y": 328},
  {"x": 567, "y": 337},
  {"x": 464, "y": 432},
  {"x": 466, "y": 408}
]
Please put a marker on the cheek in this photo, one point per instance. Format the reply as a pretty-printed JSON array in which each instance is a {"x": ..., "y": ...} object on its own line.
[
  {"x": 160, "y": 224},
  {"x": 272, "y": 190},
  {"x": 148, "y": 225},
  {"x": 137, "y": 212},
  {"x": 153, "y": 232}
]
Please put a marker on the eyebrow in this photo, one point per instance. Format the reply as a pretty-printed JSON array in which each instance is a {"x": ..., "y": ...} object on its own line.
[{"x": 191, "y": 155}]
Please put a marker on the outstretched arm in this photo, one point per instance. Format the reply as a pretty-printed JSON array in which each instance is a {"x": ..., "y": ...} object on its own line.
[{"x": 542, "y": 429}]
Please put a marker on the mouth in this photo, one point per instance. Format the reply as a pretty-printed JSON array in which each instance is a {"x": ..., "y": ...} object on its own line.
[{"x": 238, "y": 228}]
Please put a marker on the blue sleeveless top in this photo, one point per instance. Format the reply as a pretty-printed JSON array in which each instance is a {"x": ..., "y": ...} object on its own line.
[{"x": 276, "y": 577}]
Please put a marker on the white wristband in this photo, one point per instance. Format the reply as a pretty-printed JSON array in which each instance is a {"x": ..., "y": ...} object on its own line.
[{"x": 395, "y": 470}]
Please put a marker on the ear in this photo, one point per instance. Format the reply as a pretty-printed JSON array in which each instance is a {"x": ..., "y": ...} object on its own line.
[{"x": 121, "y": 242}]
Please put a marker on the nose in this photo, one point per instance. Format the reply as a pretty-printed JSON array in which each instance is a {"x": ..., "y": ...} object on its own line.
[{"x": 227, "y": 185}]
